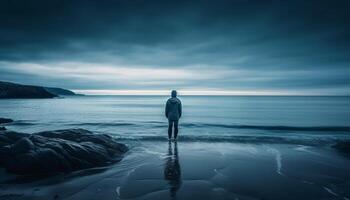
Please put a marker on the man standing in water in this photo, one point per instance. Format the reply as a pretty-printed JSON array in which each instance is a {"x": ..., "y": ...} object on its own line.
[{"x": 173, "y": 111}]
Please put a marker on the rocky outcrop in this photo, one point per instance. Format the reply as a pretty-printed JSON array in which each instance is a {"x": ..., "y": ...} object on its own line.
[
  {"x": 12, "y": 90},
  {"x": 5, "y": 120},
  {"x": 57, "y": 151},
  {"x": 59, "y": 91},
  {"x": 343, "y": 147}
]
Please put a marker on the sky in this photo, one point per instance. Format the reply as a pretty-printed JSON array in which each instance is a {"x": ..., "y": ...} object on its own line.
[{"x": 197, "y": 47}]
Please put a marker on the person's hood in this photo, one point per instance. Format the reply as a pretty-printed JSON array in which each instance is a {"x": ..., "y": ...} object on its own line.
[{"x": 174, "y": 100}]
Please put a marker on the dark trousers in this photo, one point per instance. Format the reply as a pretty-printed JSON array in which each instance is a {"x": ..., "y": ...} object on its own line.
[{"x": 170, "y": 128}]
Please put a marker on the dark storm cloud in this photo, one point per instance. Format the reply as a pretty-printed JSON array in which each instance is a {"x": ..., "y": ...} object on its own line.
[{"x": 299, "y": 42}]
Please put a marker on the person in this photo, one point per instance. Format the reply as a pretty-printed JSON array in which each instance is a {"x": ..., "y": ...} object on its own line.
[{"x": 173, "y": 111}]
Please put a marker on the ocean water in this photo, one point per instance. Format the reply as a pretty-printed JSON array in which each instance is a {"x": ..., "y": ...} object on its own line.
[
  {"x": 285, "y": 119},
  {"x": 230, "y": 147}
]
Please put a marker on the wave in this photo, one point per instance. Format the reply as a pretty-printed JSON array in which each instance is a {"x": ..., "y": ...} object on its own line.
[
  {"x": 274, "y": 128},
  {"x": 21, "y": 123},
  {"x": 103, "y": 124},
  {"x": 240, "y": 139},
  {"x": 228, "y": 126},
  {"x": 162, "y": 124},
  {"x": 232, "y": 126}
]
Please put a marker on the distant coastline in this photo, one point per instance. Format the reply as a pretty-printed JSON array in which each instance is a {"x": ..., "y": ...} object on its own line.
[{"x": 10, "y": 90}]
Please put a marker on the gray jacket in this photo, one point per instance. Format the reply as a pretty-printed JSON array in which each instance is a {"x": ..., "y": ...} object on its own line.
[{"x": 173, "y": 109}]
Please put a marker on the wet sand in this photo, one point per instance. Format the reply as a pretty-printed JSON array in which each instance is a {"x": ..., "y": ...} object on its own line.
[{"x": 199, "y": 170}]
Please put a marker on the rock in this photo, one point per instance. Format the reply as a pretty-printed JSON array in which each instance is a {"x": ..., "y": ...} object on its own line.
[
  {"x": 5, "y": 120},
  {"x": 59, "y": 91},
  {"x": 343, "y": 146},
  {"x": 12, "y": 90},
  {"x": 23, "y": 145},
  {"x": 57, "y": 151}
]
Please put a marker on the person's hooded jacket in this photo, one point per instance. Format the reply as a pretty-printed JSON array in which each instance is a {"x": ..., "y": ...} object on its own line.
[{"x": 173, "y": 109}]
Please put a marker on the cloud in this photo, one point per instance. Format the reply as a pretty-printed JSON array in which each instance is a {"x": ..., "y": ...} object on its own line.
[
  {"x": 114, "y": 76},
  {"x": 221, "y": 45}
]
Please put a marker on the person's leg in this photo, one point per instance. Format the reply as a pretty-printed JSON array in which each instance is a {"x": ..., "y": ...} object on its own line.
[
  {"x": 170, "y": 129},
  {"x": 176, "y": 128}
]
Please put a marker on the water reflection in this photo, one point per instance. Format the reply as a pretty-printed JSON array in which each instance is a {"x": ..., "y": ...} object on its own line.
[{"x": 172, "y": 170}]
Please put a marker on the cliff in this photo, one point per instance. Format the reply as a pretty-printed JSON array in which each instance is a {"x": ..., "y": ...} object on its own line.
[{"x": 12, "y": 90}]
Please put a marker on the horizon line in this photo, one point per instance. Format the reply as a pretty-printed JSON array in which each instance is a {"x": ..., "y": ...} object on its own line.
[{"x": 197, "y": 93}]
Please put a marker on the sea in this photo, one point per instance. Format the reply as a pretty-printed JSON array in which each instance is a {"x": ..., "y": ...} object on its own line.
[
  {"x": 309, "y": 120},
  {"x": 229, "y": 147}
]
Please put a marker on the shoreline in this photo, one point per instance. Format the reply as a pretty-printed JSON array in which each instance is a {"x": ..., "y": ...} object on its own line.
[{"x": 197, "y": 170}]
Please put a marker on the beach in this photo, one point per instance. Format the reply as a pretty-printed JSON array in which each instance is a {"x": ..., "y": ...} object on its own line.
[
  {"x": 228, "y": 148},
  {"x": 200, "y": 170}
]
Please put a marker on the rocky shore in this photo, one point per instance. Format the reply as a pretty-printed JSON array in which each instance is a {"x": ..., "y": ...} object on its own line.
[
  {"x": 4, "y": 121},
  {"x": 52, "y": 152}
]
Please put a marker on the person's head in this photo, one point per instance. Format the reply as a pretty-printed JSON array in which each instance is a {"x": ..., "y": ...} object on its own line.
[{"x": 173, "y": 93}]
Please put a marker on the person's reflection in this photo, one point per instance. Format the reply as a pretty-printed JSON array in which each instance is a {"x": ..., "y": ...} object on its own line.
[{"x": 172, "y": 170}]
